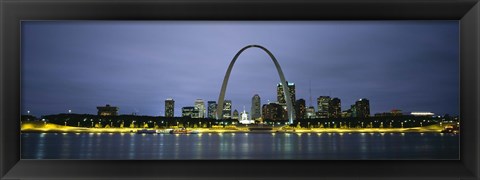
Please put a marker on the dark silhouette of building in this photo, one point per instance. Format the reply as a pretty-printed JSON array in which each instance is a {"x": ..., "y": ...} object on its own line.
[
  {"x": 396, "y": 112},
  {"x": 169, "y": 107},
  {"x": 362, "y": 107},
  {"x": 352, "y": 112},
  {"x": 300, "y": 110},
  {"x": 335, "y": 110},
  {"x": 256, "y": 112},
  {"x": 107, "y": 110},
  {"x": 235, "y": 114},
  {"x": 273, "y": 111},
  {"x": 392, "y": 113}
]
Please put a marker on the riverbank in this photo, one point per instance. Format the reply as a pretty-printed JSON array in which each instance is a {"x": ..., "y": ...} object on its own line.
[{"x": 54, "y": 128}]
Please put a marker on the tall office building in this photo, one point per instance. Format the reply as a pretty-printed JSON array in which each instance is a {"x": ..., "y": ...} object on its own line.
[
  {"x": 362, "y": 107},
  {"x": 273, "y": 111},
  {"x": 335, "y": 110},
  {"x": 311, "y": 113},
  {"x": 281, "y": 97},
  {"x": 235, "y": 114},
  {"x": 212, "y": 109},
  {"x": 169, "y": 107},
  {"x": 323, "y": 105},
  {"x": 255, "y": 109},
  {"x": 353, "y": 110},
  {"x": 300, "y": 110},
  {"x": 227, "y": 109},
  {"x": 200, "y": 107}
]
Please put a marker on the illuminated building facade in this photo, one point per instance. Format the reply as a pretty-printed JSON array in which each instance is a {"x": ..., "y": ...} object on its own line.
[
  {"x": 310, "y": 113},
  {"x": 169, "y": 107},
  {"x": 212, "y": 109},
  {"x": 188, "y": 111},
  {"x": 244, "y": 118},
  {"x": 280, "y": 94},
  {"x": 227, "y": 109},
  {"x": 323, "y": 106},
  {"x": 199, "y": 108},
  {"x": 107, "y": 110},
  {"x": 422, "y": 113}
]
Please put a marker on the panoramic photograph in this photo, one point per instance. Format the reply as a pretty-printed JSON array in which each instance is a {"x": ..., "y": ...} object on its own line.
[{"x": 240, "y": 90}]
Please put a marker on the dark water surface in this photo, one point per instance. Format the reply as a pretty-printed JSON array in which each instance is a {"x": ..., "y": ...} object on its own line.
[{"x": 240, "y": 146}]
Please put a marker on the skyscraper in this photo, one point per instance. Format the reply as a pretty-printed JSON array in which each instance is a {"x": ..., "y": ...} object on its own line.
[
  {"x": 169, "y": 107},
  {"x": 227, "y": 109},
  {"x": 311, "y": 113},
  {"x": 335, "y": 110},
  {"x": 235, "y": 114},
  {"x": 212, "y": 108},
  {"x": 323, "y": 105},
  {"x": 200, "y": 107},
  {"x": 362, "y": 107},
  {"x": 273, "y": 111},
  {"x": 300, "y": 110},
  {"x": 255, "y": 109},
  {"x": 281, "y": 97}
]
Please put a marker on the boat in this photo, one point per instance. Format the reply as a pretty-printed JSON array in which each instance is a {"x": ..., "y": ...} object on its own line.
[
  {"x": 164, "y": 131},
  {"x": 146, "y": 131},
  {"x": 183, "y": 131}
]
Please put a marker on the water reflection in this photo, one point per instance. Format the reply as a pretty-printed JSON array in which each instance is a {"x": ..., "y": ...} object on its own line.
[
  {"x": 40, "y": 146},
  {"x": 240, "y": 146},
  {"x": 131, "y": 147}
]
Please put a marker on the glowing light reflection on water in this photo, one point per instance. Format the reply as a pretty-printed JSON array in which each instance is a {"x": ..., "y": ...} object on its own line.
[{"x": 240, "y": 146}]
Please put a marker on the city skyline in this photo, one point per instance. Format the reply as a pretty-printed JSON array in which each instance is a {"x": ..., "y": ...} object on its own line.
[{"x": 407, "y": 65}]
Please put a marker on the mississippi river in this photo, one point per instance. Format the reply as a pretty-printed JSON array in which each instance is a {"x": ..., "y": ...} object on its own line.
[{"x": 207, "y": 146}]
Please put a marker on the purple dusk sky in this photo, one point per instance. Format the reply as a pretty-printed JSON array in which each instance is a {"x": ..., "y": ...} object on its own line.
[{"x": 136, "y": 65}]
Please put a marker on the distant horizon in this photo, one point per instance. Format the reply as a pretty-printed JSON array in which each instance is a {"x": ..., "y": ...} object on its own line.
[
  {"x": 206, "y": 109},
  {"x": 78, "y": 65},
  {"x": 120, "y": 114}
]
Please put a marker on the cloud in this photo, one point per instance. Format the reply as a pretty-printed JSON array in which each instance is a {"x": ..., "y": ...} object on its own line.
[{"x": 136, "y": 65}]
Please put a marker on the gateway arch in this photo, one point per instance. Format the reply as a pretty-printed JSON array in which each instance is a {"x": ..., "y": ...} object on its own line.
[{"x": 286, "y": 93}]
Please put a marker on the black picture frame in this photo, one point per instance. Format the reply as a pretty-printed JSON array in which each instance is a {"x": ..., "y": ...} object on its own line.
[{"x": 14, "y": 11}]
